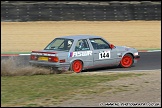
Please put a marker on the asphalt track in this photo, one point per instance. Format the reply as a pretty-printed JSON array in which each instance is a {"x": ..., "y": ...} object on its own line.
[{"x": 147, "y": 61}]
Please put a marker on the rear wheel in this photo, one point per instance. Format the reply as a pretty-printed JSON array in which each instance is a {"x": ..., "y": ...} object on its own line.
[
  {"x": 126, "y": 61},
  {"x": 77, "y": 66}
]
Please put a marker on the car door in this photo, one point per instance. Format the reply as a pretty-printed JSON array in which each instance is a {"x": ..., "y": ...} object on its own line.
[
  {"x": 82, "y": 52},
  {"x": 103, "y": 55}
]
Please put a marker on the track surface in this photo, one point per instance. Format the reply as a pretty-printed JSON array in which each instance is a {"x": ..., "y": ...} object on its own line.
[{"x": 148, "y": 61}]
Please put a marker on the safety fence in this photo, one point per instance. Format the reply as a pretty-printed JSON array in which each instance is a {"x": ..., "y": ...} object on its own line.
[{"x": 80, "y": 11}]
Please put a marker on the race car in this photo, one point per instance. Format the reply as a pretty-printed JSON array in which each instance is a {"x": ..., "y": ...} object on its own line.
[{"x": 80, "y": 52}]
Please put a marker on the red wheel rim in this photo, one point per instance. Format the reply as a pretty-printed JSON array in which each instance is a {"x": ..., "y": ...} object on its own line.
[
  {"x": 126, "y": 61},
  {"x": 77, "y": 66}
]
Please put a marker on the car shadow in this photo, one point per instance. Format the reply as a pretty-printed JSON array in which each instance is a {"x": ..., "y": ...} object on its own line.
[
  {"x": 101, "y": 69},
  {"x": 108, "y": 68}
]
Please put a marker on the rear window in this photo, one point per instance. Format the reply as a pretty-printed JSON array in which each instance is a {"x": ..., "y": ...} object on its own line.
[{"x": 60, "y": 44}]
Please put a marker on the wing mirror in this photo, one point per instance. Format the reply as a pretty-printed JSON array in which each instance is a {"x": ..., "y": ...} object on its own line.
[{"x": 112, "y": 46}]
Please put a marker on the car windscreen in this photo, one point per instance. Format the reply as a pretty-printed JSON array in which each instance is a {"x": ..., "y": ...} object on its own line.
[{"x": 60, "y": 44}]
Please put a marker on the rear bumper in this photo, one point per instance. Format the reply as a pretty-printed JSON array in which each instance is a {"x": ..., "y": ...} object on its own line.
[{"x": 59, "y": 66}]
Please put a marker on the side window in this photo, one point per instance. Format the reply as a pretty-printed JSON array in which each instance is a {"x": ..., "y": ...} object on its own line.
[
  {"x": 82, "y": 45},
  {"x": 99, "y": 43}
]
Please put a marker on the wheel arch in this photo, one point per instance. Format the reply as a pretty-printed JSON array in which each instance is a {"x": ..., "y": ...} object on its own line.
[
  {"x": 76, "y": 59},
  {"x": 71, "y": 61},
  {"x": 128, "y": 53},
  {"x": 131, "y": 54}
]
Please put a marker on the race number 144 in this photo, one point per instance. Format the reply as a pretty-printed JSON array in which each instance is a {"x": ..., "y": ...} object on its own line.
[{"x": 104, "y": 55}]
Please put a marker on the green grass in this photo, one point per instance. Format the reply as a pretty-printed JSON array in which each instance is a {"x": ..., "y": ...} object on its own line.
[{"x": 44, "y": 90}]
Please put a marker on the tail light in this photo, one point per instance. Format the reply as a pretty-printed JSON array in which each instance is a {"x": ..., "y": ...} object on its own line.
[
  {"x": 53, "y": 59},
  {"x": 33, "y": 57}
]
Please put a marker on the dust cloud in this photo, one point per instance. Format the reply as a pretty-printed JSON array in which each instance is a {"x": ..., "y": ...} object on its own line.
[{"x": 16, "y": 66}]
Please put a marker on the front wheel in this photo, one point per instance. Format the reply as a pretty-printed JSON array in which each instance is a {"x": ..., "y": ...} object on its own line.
[
  {"x": 77, "y": 66},
  {"x": 126, "y": 61}
]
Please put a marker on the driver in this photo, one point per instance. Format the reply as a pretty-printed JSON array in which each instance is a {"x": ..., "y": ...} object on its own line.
[{"x": 69, "y": 43}]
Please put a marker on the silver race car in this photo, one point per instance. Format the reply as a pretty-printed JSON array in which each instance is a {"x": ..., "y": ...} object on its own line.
[{"x": 80, "y": 52}]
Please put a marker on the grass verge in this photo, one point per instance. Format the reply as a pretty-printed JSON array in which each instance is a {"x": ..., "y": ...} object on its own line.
[{"x": 48, "y": 90}]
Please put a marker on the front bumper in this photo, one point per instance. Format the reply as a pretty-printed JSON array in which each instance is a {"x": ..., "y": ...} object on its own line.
[
  {"x": 59, "y": 66},
  {"x": 137, "y": 57}
]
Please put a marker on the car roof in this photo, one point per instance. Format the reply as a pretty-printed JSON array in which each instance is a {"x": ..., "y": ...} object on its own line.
[{"x": 80, "y": 36}]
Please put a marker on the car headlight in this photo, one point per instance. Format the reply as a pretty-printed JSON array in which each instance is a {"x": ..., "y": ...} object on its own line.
[{"x": 135, "y": 53}]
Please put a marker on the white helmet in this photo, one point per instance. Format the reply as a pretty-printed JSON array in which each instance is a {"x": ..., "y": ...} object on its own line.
[{"x": 69, "y": 43}]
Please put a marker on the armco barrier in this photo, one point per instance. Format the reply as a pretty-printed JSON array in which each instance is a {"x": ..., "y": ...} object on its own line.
[{"x": 80, "y": 11}]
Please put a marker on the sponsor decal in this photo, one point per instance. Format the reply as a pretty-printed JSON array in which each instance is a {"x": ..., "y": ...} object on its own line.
[
  {"x": 80, "y": 53},
  {"x": 104, "y": 55}
]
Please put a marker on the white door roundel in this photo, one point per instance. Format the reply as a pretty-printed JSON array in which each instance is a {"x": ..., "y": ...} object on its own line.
[{"x": 104, "y": 55}]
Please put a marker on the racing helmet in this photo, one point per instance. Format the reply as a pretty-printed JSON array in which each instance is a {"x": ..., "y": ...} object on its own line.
[{"x": 69, "y": 43}]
